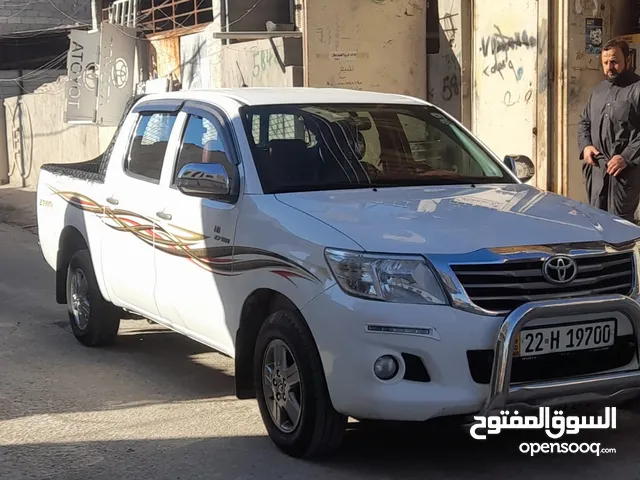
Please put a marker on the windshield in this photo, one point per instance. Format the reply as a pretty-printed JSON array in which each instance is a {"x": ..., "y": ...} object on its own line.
[{"x": 327, "y": 147}]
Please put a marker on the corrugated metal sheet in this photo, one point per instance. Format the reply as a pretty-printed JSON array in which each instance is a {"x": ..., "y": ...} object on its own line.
[
  {"x": 164, "y": 57},
  {"x": 31, "y": 81}
]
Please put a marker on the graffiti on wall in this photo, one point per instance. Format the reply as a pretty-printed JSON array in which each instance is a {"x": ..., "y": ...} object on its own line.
[
  {"x": 254, "y": 64},
  {"x": 506, "y": 72},
  {"x": 263, "y": 60},
  {"x": 507, "y": 55},
  {"x": 498, "y": 45}
]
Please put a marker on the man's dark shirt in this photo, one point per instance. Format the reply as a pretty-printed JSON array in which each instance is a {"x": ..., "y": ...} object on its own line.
[{"x": 611, "y": 119}]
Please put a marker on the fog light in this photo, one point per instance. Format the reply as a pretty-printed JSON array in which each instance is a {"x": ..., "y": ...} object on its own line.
[{"x": 386, "y": 367}]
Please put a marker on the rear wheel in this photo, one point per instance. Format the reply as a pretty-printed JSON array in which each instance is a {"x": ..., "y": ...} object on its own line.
[
  {"x": 291, "y": 389},
  {"x": 94, "y": 321}
]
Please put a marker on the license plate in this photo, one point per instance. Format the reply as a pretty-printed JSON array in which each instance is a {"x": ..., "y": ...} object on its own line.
[{"x": 565, "y": 338}]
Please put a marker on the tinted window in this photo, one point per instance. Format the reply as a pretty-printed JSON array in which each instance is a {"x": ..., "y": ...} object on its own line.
[
  {"x": 323, "y": 147},
  {"x": 267, "y": 126},
  {"x": 201, "y": 143},
  {"x": 149, "y": 145}
]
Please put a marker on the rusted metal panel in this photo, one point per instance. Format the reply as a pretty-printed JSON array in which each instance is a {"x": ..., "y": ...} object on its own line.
[
  {"x": 177, "y": 33},
  {"x": 164, "y": 58}
]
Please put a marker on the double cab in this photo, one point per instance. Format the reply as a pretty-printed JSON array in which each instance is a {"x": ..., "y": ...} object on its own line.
[{"x": 357, "y": 254}]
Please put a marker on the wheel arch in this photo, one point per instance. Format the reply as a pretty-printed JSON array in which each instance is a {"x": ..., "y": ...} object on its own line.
[
  {"x": 71, "y": 241},
  {"x": 256, "y": 308}
]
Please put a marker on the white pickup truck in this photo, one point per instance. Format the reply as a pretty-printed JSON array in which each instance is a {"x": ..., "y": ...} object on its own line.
[{"x": 358, "y": 254}]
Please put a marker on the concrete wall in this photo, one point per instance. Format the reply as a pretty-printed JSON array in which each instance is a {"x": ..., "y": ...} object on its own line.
[
  {"x": 367, "y": 45},
  {"x": 268, "y": 63},
  {"x": 40, "y": 14},
  {"x": 200, "y": 61},
  {"x": 491, "y": 73},
  {"x": 505, "y": 75},
  {"x": 31, "y": 80},
  {"x": 445, "y": 68},
  {"x": 37, "y": 134}
]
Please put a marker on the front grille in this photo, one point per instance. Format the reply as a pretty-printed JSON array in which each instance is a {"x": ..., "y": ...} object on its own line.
[
  {"x": 557, "y": 365},
  {"x": 503, "y": 287}
]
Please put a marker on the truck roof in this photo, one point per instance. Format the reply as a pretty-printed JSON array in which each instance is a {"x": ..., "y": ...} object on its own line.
[{"x": 289, "y": 95}]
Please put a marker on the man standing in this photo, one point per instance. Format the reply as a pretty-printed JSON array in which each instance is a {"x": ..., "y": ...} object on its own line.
[{"x": 609, "y": 136}]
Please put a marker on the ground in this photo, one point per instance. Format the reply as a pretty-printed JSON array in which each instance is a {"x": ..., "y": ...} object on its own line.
[{"x": 159, "y": 406}]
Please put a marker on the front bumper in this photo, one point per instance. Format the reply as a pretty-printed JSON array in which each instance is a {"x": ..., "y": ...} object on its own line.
[
  {"x": 348, "y": 348},
  {"x": 598, "y": 387}
]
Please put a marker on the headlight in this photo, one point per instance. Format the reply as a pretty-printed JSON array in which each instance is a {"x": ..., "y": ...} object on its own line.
[{"x": 400, "y": 279}]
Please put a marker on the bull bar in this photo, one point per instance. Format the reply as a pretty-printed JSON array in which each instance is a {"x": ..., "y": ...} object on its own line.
[{"x": 603, "y": 386}]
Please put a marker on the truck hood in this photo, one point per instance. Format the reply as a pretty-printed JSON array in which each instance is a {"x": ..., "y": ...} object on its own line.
[{"x": 459, "y": 219}]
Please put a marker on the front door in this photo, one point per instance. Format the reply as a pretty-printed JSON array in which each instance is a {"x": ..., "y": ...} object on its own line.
[
  {"x": 131, "y": 203},
  {"x": 195, "y": 239}
]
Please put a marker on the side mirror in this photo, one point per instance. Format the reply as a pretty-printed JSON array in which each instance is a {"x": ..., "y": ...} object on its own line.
[
  {"x": 209, "y": 180},
  {"x": 521, "y": 165}
]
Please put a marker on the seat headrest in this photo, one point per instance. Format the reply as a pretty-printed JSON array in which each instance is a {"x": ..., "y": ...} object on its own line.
[{"x": 287, "y": 147}]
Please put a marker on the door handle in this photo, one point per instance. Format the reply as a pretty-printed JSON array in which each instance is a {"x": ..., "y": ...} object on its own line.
[
  {"x": 113, "y": 201},
  {"x": 163, "y": 215}
]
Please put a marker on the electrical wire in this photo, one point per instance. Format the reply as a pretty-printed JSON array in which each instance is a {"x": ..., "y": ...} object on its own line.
[
  {"x": 24, "y": 7},
  {"x": 33, "y": 74},
  {"x": 72, "y": 13},
  {"x": 38, "y": 73},
  {"x": 181, "y": 23}
]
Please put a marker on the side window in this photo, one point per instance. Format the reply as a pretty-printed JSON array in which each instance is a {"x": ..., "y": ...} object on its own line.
[
  {"x": 201, "y": 143},
  {"x": 149, "y": 144},
  {"x": 289, "y": 127}
]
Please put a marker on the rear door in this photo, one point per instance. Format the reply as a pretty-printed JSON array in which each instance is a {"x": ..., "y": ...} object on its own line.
[
  {"x": 133, "y": 194},
  {"x": 195, "y": 235}
]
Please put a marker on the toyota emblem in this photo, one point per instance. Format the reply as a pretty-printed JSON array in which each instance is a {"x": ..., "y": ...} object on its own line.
[{"x": 560, "y": 269}]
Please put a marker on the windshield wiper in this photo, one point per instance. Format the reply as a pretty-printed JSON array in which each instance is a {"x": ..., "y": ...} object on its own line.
[
  {"x": 417, "y": 182},
  {"x": 330, "y": 186}
]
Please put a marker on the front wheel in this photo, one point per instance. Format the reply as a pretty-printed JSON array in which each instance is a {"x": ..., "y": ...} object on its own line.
[{"x": 291, "y": 390}]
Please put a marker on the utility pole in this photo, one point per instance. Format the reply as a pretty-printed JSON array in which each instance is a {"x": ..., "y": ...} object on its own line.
[{"x": 96, "y": 14}]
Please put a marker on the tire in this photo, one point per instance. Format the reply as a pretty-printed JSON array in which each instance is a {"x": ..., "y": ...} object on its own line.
[
  {"x": 319, "y": 430},
  {"x": 101, "y": 322}
]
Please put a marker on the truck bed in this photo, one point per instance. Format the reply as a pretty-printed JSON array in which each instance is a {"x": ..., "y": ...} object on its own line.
[{"x": 92, "y": 170}]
